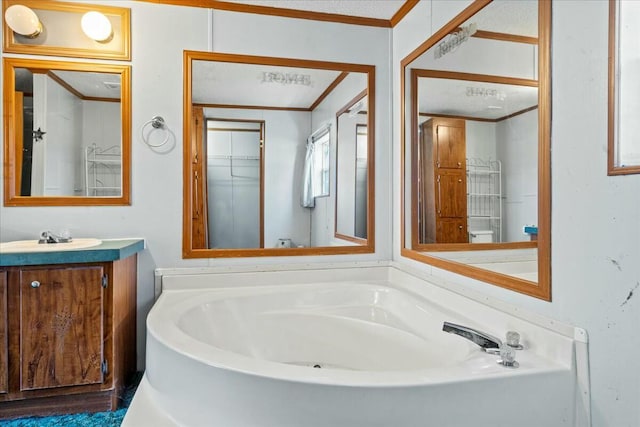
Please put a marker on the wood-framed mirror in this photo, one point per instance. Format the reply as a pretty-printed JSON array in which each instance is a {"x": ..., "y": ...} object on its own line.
[
  {"x": 67, "y": 133},
  {"x": 352, "y": 191},
  {"x": 624, "y": 104},
  {"x": 475, "y": 157},
  {"x": 260, "y": 165}
]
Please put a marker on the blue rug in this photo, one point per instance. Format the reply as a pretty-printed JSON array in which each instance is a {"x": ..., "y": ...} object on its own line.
[{"x": 96, "y": 419}]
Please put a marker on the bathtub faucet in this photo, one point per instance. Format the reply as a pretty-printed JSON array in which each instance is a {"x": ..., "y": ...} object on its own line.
[{"x": 488, "y": 343}]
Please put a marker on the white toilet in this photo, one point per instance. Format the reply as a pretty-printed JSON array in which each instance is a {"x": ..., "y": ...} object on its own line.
[{"x": 481, "y": 236}]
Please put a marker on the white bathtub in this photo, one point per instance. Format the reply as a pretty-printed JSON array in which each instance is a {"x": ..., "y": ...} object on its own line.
[{"x": 339, "y": 354}]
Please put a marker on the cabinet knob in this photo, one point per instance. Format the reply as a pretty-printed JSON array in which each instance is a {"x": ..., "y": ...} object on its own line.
[
  {"x": 459, "y": 179},
  {"x": 460, "y": 227},
  {"x": 35, "y": 284}
]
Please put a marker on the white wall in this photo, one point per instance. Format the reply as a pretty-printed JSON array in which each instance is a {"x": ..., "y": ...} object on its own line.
[
  {"x": 98, "y": 119},
  {"x": 517, "y": 146},
  {"x": 480, "y": 140},
  {"x": 595, "y": 218},
  {"x": 485, "y": 56},
  {"x": 58, "y": 113},
  {"x": 285, "y": 146}
]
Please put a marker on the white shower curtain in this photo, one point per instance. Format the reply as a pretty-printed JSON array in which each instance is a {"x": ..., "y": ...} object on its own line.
[
  {"x": 307, "y": 196},
  {"x": 307, "y": 200}
]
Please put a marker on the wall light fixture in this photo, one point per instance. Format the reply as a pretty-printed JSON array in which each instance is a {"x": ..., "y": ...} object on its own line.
[
  {"x": 97, "y": 26},
  {"x": 23, "y": 21},
  {"x": 73, "y": 29}
]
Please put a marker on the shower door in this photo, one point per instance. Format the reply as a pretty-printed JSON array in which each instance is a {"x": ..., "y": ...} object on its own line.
[{"x": 234, "y": 171}]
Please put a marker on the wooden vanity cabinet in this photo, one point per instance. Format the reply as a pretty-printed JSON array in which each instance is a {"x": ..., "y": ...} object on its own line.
[
  {"x": 4, "y": 345},
  {"x": 71, "y": 337}
]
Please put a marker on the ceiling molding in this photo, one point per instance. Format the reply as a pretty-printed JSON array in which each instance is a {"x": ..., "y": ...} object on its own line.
[
  {"x": 250, "y": 107},
  {"x": 53, "y": 76},
  {"x": 480, "y": 119},
  {"x": 505, "y": 37},
  {"x": 402, "y": 12},
  {"x": 294, "y": 13},
  {"x": 328, "y": 90}
]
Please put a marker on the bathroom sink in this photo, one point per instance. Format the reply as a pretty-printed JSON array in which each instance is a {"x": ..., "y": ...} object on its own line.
[{"x": 34, "y": 246}]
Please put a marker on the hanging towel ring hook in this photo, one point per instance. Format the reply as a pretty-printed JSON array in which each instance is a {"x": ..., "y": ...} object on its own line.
[{"x": 156, "y": 122}]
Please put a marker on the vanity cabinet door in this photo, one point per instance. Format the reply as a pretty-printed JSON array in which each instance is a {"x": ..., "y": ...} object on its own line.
[
  {"x": 61, "y": 327},
  {"x": 4, "y": 345},
  {"x": 451, "y": 194},
  {"x": 450, "y": 144},
  {"x": 452, "y": 230}
]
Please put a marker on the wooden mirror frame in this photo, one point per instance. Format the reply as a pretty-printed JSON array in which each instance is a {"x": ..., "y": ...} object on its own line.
[
  {"x": 189, "y": 169},
  {"x": 541, "y": 289},
  {"x": 612, "y": 167},
  {"x": 12, "y": 195}
]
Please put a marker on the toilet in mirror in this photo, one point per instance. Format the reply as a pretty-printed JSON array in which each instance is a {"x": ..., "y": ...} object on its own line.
[{"x": 475, "y": 164}]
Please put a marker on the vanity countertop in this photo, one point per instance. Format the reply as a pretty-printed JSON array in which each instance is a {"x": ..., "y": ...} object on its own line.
[{"x": 108, "y": 250}]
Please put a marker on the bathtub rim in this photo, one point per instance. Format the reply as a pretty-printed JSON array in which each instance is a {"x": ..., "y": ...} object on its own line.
[{"x": 446, "y": 286}]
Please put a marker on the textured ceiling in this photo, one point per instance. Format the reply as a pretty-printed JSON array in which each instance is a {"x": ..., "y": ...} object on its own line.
[
  {"x": 258, "y": 85},
  {"x": 379, "y": 9},
  {"x": 510, "y": 17},
  {"x": 474, "y": 99},
  {"x": 88, "y": 84},
  {"x": 97, "y": 85},
  {"x": 245, "y": 84}
]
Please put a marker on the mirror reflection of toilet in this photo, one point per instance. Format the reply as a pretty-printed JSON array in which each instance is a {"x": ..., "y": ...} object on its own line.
[
  {"x": 284, "y": 243},
  {"x": 481, "y": 236}
]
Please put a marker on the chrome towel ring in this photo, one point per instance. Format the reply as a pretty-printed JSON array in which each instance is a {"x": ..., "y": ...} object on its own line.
[{"x": 156, "y": 122}]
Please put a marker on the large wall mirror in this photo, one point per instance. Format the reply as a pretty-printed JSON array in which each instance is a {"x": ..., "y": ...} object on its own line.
[
  {"x": 266, "y": 171},
  {"x": 67, "y": 130},
  {"x": 475, "y": 158},
  {"x": 624, "y": 87},
  {"x": 352, "y": 191}
]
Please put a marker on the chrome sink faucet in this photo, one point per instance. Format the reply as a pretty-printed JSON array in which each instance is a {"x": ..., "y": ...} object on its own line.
[{"x": 47, "y": 237}]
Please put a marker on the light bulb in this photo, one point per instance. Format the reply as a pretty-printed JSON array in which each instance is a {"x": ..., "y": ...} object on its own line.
[
  {"x": 96, "y": 26},
  {"x": 23, "y": 20}
]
